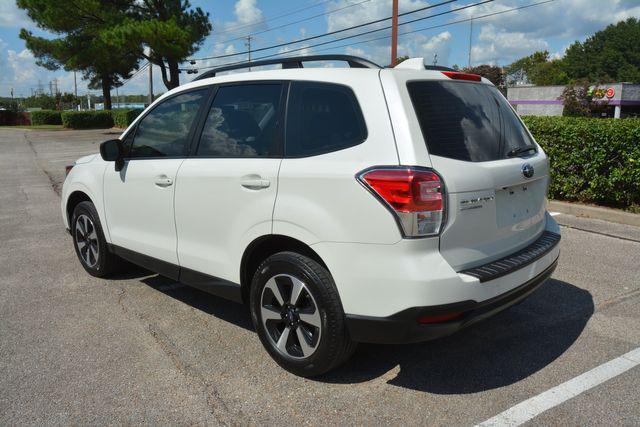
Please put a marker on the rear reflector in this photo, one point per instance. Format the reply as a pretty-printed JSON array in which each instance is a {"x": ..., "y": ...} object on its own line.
[
  {"x": 440, "y": 318},
  {"x": 414, "y": 195},
  {"x": 462, "y": 76}
]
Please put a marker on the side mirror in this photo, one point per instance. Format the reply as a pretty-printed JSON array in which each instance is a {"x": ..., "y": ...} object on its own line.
[{"x": 112, "y": 151}]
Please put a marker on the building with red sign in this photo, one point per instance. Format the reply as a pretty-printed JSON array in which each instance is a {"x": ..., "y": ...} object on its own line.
[{"x": 621, "y": 99}]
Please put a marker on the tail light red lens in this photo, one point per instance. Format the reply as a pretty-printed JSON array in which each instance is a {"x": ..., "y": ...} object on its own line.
[
  {"x": 68, "y": 168},
  {"x": 462, "y": 76},
  {"x": 414, "y": 195}
]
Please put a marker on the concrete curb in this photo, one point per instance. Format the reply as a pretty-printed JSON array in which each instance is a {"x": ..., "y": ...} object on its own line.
[{"x": 596, "y": 212}]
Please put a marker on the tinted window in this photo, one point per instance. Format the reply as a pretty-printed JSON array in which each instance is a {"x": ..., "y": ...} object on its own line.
[
  {"x": 242, "y": 122},
  {"x": 466, "y": 121},
  {"x": 322, "y": 118},
  {"x": 165, "y": 130}
]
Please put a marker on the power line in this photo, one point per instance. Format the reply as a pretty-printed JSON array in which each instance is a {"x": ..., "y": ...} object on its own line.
[
  {"x": 460, "y": 21},
  {"x": 355, "y": 35},
  {"x": 354, "y": 27},
  {"x": 273, "y": 18},
  {"x": 388, "y": 37},
  {"x": 309, "y": 18},
  {"x": 136, "y": 73}
]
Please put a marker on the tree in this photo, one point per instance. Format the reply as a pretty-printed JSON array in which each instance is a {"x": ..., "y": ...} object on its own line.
[
  {"x": 81, "y": 47},
  {"x": 580, "y": 99},
  {"x": 490, "y": 72},
  {"x": 170, "y": 29},
  {"x": 612, "y": 54},
  {"x": 538, "y": 69}
]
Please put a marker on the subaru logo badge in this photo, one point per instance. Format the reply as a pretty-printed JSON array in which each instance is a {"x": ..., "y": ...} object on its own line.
[{"x": 527, "y": 170}]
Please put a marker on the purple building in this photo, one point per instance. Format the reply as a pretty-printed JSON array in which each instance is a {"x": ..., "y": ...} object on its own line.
[{"x": 623, "y": 100}]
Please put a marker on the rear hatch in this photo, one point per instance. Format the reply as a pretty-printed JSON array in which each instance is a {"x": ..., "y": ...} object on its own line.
[{"x": 495, "y": 175}]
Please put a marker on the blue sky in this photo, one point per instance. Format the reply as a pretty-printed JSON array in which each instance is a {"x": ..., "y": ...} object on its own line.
[{"x": 498, "y": 39}]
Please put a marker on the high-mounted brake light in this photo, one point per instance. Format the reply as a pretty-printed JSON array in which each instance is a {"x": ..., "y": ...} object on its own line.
[
  {"x": 414, "y": 195},
  {"x": 462, "y": 76}
]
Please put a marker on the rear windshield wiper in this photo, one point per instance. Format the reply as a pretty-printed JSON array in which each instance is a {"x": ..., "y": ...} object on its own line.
[{"x": 520, "y": 150}]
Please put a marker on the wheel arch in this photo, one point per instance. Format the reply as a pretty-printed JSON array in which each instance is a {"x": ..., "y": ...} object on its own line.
[
  {"x": 263, "y": 247},
  {"x": 75, "y": 198}
]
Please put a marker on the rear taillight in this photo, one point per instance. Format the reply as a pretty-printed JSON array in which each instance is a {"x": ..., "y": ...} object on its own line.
[
  {"x": 414, "y": 195},
  {"x": 462, "y": 76},
  {"x": 68, "y": 168}
]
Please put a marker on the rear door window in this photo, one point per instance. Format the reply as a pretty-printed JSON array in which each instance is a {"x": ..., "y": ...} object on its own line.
[
  {"x": 466, "y": 121},
  {"x": 243, "y": 122},
  {"x": 322, "y": 118}
]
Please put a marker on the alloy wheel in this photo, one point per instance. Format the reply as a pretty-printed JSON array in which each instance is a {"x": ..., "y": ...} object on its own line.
[
  {"x": 290, "y": 316},
  {"x": 86, "y": 239}
]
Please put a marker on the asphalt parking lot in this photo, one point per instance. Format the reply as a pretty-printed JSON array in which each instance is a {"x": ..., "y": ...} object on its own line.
[{"x": 143, "y": 349}]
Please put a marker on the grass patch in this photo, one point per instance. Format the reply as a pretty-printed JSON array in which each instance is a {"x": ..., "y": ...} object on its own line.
[{"x": 34, "y": 127}]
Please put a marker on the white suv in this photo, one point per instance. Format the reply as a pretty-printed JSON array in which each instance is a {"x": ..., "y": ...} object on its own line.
[{"x": 343, "y": 205}]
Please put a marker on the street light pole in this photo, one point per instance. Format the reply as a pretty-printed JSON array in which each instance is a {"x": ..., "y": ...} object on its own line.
[
  {"x": 150, "y": 83},
  {"x": 75, "y": 89},
  {"x": 394, "y": 34},
  {"x": 470, "y": 42},
  {"x": 248, "y": 44}
]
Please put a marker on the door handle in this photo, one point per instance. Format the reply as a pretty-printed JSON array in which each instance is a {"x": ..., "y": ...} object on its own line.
[
  {"x": 255, "y": 183},
  {"x": 163, "y": 181}
]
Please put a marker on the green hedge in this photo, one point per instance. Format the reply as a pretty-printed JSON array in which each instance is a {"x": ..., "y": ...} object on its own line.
[
  {"x": 87, "y": 119},
  {"x": 122, "y": 118},
  {"x": 592, "y": 160},
  {"x": 46, "y": 117}
]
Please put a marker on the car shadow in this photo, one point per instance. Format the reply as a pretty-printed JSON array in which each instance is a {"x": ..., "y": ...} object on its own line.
[
  {"x": 490, "y": 354},
  {"x": 221, "y": 308},
  {"x": 496, "y": 352}
]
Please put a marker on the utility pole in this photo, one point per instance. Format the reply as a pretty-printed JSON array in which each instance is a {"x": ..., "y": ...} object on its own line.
[
  {"x": 248, "y": 45},
  {"x": 75, "y": 90},
  {"x": 50, "y": 88},
  {"x": 150, "y": 83},
  {"x": 470, "y": 42},
  {"x": 394, "y": 34}
]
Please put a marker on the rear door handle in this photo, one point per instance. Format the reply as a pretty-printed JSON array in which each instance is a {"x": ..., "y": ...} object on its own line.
[
  {"x": 163, "y": 181},
  {"x": 255, "y": 183}
]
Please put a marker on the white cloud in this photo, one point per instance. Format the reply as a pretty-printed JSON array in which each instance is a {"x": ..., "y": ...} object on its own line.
[
  {"x": 561, "y": 18},
  {"x": 511, "y": 35},
  {"x": 13, "y": 17},
  {"x": 372, "y": 10},
  {"x": 247, "y": 12},
  {"x": 437, "y": 47},
  {"x": 379, "y": 51},
  {"x": 497, "y": 46}
]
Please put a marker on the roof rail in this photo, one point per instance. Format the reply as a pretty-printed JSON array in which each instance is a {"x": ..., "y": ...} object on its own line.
[{"x": 292, "y": 62}]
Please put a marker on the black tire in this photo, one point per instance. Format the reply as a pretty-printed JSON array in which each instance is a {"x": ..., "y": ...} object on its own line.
[
  {"x": 331, "y": 343},
  {"x": 105, "y": 263}
]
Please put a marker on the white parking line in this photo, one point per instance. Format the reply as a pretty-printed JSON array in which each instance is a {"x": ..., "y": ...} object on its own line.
[
  {"x": 533, "y": 407},
  {"x": 555, "y": 213}
]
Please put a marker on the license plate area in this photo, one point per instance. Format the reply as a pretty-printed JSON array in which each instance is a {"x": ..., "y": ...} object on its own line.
[{"x": 520, "y": 205}]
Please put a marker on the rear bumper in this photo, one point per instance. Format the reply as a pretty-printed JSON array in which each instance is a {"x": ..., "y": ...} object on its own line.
[{"x": 403, "y": 327}]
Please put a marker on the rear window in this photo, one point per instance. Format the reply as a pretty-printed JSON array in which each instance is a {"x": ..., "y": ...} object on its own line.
[{"x": 466, "y": 121}]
